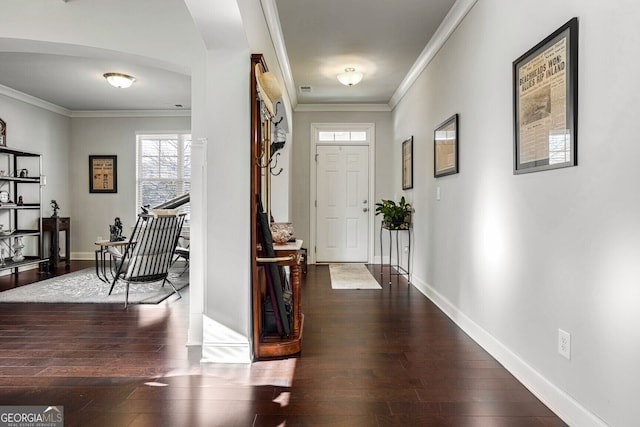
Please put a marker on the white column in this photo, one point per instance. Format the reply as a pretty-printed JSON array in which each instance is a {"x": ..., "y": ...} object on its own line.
[{"x": 221, "y": 298}]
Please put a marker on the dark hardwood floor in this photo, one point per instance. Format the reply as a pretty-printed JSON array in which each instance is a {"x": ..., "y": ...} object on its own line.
[{"x": 370, "y": 358}]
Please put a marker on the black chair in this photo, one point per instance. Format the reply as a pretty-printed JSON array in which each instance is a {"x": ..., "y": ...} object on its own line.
[
  {"x": 182, "y": 252},
  {"x": 149, "y": 253}
]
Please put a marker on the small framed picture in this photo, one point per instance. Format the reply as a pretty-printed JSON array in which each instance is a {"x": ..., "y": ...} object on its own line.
[
  {"x": 407, "y": 164},
  {"x": 103, "y": 174},
  {"x": 445, "y": 147},
  {"x": 3, "y": 133}
]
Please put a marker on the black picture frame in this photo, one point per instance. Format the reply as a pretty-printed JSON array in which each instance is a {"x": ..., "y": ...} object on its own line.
[
  {"x": 407, "y": 164},
  {"x": 103, "y": 174},
  {"x": 445, "y": 148},
  {"x": 3, "y": 133},
  {"x": 545, "y": 103}
]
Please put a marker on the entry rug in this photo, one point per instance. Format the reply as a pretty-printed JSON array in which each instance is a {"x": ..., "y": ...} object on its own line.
[
  {"x": 83, "y": 286},
  {"x": 352, "y": 276}
]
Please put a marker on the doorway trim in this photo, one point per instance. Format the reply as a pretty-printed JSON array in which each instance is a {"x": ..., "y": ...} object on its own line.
[{"x": 371, "y": 143}]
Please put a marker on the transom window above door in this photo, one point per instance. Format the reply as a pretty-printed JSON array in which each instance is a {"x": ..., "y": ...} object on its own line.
[{"x": 342, "y": 136}]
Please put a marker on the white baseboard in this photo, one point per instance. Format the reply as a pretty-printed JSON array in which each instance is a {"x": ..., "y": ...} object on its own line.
[
  {"x": 83, "y": 256},
  {"x": 563, "y": 405},
  {"x": 195, "y": 331},
  {"x": 223, "y": 345}
]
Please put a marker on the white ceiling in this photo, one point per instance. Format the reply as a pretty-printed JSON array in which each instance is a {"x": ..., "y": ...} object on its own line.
[
  {"x": 77, "y": 84},
  {"x": 381, "y": 38}
]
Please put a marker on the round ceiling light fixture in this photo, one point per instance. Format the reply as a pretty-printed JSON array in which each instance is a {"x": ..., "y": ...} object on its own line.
[
  {"x": 119, "y": 80},
  {"x": 350, "y": 77}
]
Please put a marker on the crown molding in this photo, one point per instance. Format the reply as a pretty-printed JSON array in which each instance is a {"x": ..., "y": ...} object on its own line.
[
  {"x": 454, "y": 17},
  {"x": 270, "y": 10},
  {"x": 303, "y": 108},
  {"x": 32, "y": 100},
  {"x": 131, "y": 113},
  {"x": 37, "y": 102},
  {"x": 450, "y": 22}
]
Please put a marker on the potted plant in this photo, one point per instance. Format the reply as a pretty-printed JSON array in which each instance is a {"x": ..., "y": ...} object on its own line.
[{"x": 396, "y": 216}]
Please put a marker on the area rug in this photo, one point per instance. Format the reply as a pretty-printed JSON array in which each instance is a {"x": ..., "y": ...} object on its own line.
[
  {"x": 352, "y": 276},
  {"x": 83, "y": 286}
]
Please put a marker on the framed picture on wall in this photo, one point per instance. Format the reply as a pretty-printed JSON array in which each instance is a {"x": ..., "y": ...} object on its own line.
[
  {"x": 103, "y": 174},
  {"x": 445, "y": 147},
  {"x": 407, "y": 164},
  {"x": 545, "y": 103},
  {"x": 3, "y": 133}
]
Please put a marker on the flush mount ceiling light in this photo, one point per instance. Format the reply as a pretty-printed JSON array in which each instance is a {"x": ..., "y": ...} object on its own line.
[
  {"x": 350, "y": 77},
  {"x": 119, "y": 80}
]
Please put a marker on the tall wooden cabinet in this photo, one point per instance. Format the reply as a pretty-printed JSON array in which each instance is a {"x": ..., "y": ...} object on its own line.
[
  {"x": 21, "y": 242},
  {"x": 267, "y": 341}
]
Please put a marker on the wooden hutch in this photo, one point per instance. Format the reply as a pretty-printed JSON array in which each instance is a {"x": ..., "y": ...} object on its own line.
[{"x": 269, "y": 342}]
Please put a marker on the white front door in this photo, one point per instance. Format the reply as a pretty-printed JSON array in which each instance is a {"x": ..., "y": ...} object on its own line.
[{"x": 342, "y": 192}]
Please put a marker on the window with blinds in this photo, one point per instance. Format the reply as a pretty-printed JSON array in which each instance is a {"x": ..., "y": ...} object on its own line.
[{"x": 163, "y": 169}]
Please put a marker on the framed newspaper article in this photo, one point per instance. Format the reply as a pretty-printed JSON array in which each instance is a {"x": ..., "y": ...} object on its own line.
[
  {"x": 545, "y": 103},
  {"x": 445, "y": 147},
  {"x": 103, "y": 174},
  {"x": 407, "y": 164}
]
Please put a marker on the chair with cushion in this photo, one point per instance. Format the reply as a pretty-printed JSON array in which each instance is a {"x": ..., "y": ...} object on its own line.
[{"x": 149, "y": 253}]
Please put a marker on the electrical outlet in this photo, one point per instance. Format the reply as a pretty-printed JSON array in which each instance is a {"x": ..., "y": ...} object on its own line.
[{"x": 564, "y": 344}]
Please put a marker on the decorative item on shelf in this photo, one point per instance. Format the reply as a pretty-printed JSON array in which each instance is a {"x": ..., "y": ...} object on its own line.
[
  {"x": 115, "y": 231},
  {"x": 4, "y": 197},
  {"x": 20, "y": 201},
  {"x": 17, "y": 250},
  {"x": 395, "y": 216},
  {"x": 24, "y": 173},
  {"x": 1, "y": 172},
  {"x": 281, "y": 232},
  {"x": 55, "y": 207}
]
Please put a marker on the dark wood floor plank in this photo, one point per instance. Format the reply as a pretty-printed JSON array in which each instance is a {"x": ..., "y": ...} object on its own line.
[{"x": 384, "y": 357}]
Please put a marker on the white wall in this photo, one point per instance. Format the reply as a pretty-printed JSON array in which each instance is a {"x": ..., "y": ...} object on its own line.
[
  {"x": 385, "y": 186},
  {"x": 86, "y": 28},
  {"x": 216, "y": 51},
  {"x": 156, "y": 32},
  {"x": 514, "y": 258},
  {"x": 65, "y": 145},
  {"x": 34, "y": 129},
  {"x": 92, "y": 213}
]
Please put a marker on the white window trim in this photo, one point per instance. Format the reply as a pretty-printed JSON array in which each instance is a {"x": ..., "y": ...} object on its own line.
[{"x": 156, "y": 134}]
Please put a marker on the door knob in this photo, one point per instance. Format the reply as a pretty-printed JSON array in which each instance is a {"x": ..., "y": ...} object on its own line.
[{"x": 365, "y": 210}]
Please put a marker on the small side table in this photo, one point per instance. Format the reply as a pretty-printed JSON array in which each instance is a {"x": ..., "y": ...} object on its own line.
[
  {"x": 400, "y": 270},
  {"x": 55, "y": 225},
  {"x": 101, "y": 258}
]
